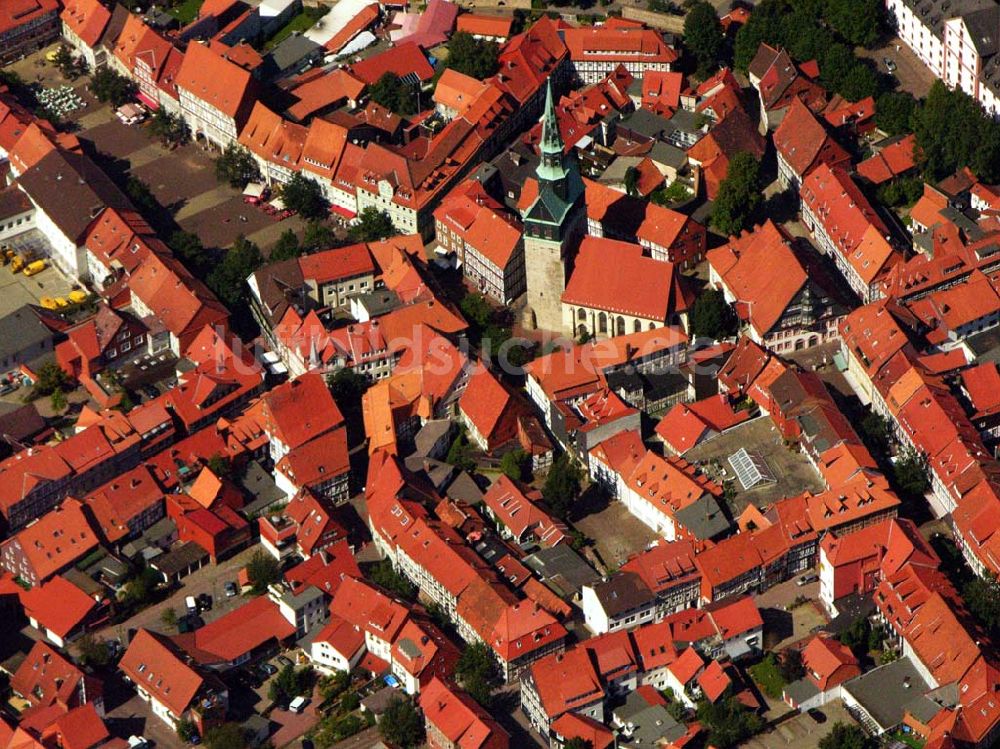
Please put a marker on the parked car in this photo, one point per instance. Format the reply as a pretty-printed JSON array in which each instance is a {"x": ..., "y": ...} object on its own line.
[
  {"x": 269, "y": 669},
  {"x": 137, "y": 742},
  {"x": 806, "y": 579},
  {"x": 298, "y": 704},
  {"x": 889, "y": 65},
  {"x": 191, "y": 603},
  {"x": 284, "y": 662},
  {"x": 230, "y": 588},
  {"x": 204, "y": 602}
]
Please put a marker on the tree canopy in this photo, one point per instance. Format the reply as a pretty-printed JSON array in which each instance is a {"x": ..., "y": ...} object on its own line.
[
  {"x": 844, "y": 736},
  {"x": 953, "y": 131},
  {"x": 390, "y": 91},
  {"x": 236, "y": 166},
  {"x": 304, "y": 196},
  {"x": 821, "y": 30},
  {"x": 477, "y": 58},
  {"x": 982, "y": 596},
  {"x": 372, "y": 225},
  {"x": 728, "y": 721},
  {"x": 477, "y": 673},
  {"x": 739, "y": 195},
  {"x": 703, "y": 36},
  {"x": 562, "y": 485},
  {"x": 712, "y": 317},
  {"x": 110, "y": 86},
  {"x": 401, "y": 724},
  {"x": 516, "y": 464},
  {"x": 385, "y": 575},
  {"x": 228, "y": 278},
  {"x": 894, "y": 112},
  {"x": 263, "y": 570},
  {"x": 226, "y": 736}
]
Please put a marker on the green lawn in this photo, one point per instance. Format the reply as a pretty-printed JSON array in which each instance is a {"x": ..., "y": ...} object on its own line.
[
  {"x": 302, "y": 22},
  {"x": 186, "y": 12},
  {"x": 768, "y": 677},
  {"x": 909, "y": 739}
]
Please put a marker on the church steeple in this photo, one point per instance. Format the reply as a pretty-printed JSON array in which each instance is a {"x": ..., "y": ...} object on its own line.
[{"x": 551, "y": 168}]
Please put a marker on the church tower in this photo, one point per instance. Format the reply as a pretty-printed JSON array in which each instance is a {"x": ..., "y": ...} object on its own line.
[{"x": 552, "y": 226}]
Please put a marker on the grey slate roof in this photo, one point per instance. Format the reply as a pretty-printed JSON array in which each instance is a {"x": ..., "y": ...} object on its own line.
[
  {"x": 704, "y": 518},
  {"x": 887, "y": 692},
  {"x": 21, "y": 330}
]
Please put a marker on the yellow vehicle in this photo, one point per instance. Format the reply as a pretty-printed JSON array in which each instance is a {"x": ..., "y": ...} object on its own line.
[
  {"x": 61, "y": 302},
  {"x": 48, "y": 302},
  {"x": 35, "y": 267},
  {"x": 77, "y": 297},
  {"x": 16, "y": 264},
  {"x": 52, "y": 54}
]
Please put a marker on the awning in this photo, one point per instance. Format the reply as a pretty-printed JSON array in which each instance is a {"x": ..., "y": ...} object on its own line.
[
  {"x": 341, "y": 211},
  {"x": 148, "y": 101},
  {"x": 253, "y": 190},
  {"x": 278, "y": 204}
]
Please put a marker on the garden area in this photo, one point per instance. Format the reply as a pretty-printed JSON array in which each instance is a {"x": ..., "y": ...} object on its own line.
[{"x": 300, "y": 23}]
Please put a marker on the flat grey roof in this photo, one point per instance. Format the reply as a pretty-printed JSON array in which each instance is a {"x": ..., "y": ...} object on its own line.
[{"x": 889, "y": 691}]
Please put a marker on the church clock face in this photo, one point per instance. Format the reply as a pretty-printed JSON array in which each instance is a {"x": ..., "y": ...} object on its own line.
[{"x": 385, "y": 189}]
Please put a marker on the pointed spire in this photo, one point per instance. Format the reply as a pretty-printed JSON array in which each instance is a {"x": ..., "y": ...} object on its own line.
[{"x": 551, "y": 139}]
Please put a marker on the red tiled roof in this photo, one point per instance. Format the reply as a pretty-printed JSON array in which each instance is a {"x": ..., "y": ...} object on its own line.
[
  {"x": 566, "y": 682},
  {"x": 481, "y": 24},
  {"x": 154, "y": 666},
  {"x": 87, "y": 19},
  {"x": 58, "y": 605},
  {"x": 616, "y": 277},
  {"x": 486, "y": 401},
  {"x": 803, "y": 142},
  {"x": 242, "y": 630},
  {"x": 459, "y": 719},
  {"x": 400, "y": 60},
  {"x": 208, "y": 76},
  {"x": 300, "y": 410},
  {"x": 56, "y": 540},
  {"x": 640, "y": 45}
]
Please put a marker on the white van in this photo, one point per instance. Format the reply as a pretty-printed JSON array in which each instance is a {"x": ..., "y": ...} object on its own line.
[
  {"x": 192, "y": 605},
  {"x": 298, "y": 704}
]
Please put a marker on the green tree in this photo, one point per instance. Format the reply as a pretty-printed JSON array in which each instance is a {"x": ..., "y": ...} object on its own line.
[
  {"x": 263, "y": 570},
  {"x": 844, "y": 736},
  {"x": 477, "y": 673},
  {"x": 859, "y": 22},
  {"x": 386, "y": 576},
  {"x": 347, "y": 388},
  {"x": 712, "y": 317},
  {"x": 228, "y": 278},
  {"x": 220, "y": 466},
  {"x": 393, "y": 94},
  {"x": 169, "y": 128},
  {"x": 562, "y": 486},
  {"x": 372, "y": 225},
  {"x": 902, "y": 191},
  {"x": 790, "y": 665},
  {"x": 894, "y": 112},
  {"x": 728, "y": 721},
  {"x": 286, "y": 248},
  {"x": 318, "y": 236},
  {"x": 516, "y": 465},
  {"x": 401, "y": 724},
  {"x": 140, "y": 195},
  {"x": 460, "y": 453},
  {"x": 187, "y": 247},
  {"x": 110, "y": 86},
  {"x": 578, "y": 742},
  {"x": 186, "y": 730},
  {"x": 478, "y": 58},
  {"x": 856, "y": 636},
  {"x": 226, "y": 736},
  {"x": 982, "y": 596},
  {"x": 169, "y": 617},
  {"x": 58, "y": 401},
  {"x": 952, "y": 131},
  {"x": 304, "y": 196},
  {"x": 631, "y": 181},
  {"x": 910, "y": 473},
  {"x": 65, "y": 63},
  {"x": 236, "y": 166},
  {"x": 289, "y": 684},
  {"x": 93, "y": 652},
  {"x": 51, "y": 378},
  {"x": 703, "y": 36},
  {"x": 140, "y": 589},
  {"x": 739, "y": 196}
]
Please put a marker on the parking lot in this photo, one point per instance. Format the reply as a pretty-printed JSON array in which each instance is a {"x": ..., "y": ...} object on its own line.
[
  {"x": 803, "y": 731},
  {"x": 912, "y": 75},
  {"x": 182, "y": 180},
  {"x": 785, "y": 624},
  {"x": 17, "y": 289},
  {"x": 617, "y": 533}
]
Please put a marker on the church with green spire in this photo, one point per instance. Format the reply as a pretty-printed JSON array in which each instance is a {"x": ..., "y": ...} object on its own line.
[{"x": 553, "y": 224}]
